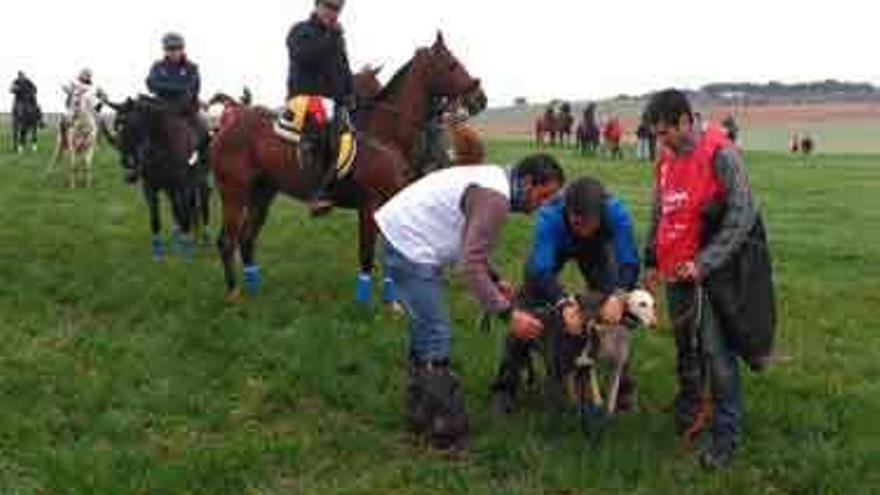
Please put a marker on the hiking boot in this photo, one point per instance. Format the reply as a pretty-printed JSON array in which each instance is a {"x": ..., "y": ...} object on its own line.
[
  {"x": 718, "y": 455},
  {"x": 435, "y": 407}
]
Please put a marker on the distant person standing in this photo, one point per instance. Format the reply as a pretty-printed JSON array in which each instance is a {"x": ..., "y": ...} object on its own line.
[
  {"x": 707, "y": 242},
  {"x": 729, "y": 124},
  {"x": 643, "y": 146}
]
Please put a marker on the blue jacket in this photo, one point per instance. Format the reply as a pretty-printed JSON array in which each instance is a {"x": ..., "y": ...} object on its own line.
[
  {"x": 608, "y": 261},
  {"x": 175, "y": 82}
]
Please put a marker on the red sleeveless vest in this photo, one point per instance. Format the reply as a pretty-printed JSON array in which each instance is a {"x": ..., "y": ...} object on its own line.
[{"x": 685, "y": 185}]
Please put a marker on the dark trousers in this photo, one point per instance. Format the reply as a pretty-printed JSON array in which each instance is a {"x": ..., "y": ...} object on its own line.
[{"x": 705, "y": 363}]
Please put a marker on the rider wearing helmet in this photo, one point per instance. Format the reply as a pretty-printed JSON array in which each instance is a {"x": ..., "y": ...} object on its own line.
[
  {"x": 175, "y": 79},
  {"x": 319, "y": 86}
]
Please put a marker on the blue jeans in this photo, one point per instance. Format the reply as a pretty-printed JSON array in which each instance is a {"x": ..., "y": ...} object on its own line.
[
  {"x": 704, "y": 357},
  {"x": 420, "y": 289}
]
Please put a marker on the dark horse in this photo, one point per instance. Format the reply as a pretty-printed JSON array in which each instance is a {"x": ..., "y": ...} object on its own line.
[
  {"x": 588, "y": 131},
  {"x": 156, "y": 145},
  {"x": 252, "y": 165},
  {"x": 27, "y": 118},
  {"x": 564, "y": 125}
]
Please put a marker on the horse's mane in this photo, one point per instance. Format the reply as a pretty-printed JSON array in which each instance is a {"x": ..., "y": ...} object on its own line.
[{"x": 396, "y": 80}]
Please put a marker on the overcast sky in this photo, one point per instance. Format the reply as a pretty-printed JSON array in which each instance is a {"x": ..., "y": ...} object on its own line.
[{"x": 573, "y": 49}]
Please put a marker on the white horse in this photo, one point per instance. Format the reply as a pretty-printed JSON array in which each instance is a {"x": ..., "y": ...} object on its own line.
[{"x": 78, "y": 131}]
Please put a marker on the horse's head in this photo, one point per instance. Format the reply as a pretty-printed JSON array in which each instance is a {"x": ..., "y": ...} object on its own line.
[
  {"x": 447, "y": 77},
  {"x": 131, "y": 128},
  {"x": 366, "y": 83}
]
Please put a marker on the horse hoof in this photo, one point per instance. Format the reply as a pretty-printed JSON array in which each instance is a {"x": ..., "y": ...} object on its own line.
[
  {"x": 363, "y": 288},
  {"x": 233, "y": 297},
  {"x": 156, "y": 249},
  {"x": 251, "y": 279}
]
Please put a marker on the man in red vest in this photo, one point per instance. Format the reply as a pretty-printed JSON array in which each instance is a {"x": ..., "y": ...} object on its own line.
[{"x": 707, "y": 242}]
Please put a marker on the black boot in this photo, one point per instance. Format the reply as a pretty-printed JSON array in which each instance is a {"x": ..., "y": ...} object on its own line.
[
  {"x": 718, "y": 455},
  {"x": 435, "y": 407}
]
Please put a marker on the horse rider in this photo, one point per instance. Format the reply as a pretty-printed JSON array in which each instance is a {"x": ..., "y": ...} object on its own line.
[
  {"x": 592, "y": 227},
  {"x": 24, "y": 90},
  {"x": 319, "y": 90},
  {"x": 455, "y": 217},
  {"x": 175, "y": 80},
  {"x": 81, "y": 88}
]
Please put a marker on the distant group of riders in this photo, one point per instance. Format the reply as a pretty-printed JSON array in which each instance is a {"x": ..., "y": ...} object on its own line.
[{"x": 333, "y": 147}]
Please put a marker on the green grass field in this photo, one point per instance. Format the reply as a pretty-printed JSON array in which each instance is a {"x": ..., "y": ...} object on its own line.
[{"x": 119, "y": 375}]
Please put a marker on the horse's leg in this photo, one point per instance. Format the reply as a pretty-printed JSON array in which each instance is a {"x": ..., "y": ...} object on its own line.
[
  {"x": 261, "y": 197},
  {"x": 151, "y": 195},
  {"x": 87, "y": 163},
  {"x": 367, "y": 251},
  {"x": 180, "y": 207},
  {"x": 227, "y": 241}
]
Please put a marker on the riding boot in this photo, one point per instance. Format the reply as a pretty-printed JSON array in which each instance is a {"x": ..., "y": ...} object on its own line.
[
  {"x": 314, "y": 157},
  {"x": 434, "y": 405}
]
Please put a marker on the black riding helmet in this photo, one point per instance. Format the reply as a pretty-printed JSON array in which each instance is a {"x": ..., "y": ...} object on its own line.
[
  {"x": 585, "y": 197},
  {"x": 173, "y": 41}
]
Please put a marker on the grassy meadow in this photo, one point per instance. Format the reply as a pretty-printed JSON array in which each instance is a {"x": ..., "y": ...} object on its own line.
[{"x": 119, "y": 375}]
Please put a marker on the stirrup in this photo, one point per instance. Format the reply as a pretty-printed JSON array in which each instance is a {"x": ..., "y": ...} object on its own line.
[{"x": 285, "y": 131}]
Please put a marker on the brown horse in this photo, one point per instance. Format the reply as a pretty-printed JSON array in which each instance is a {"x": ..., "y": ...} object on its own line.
[
  {"x": 545, "y": 128},
  {"x": 466, "y": 146},
  {"x": 251, "y": 164}
]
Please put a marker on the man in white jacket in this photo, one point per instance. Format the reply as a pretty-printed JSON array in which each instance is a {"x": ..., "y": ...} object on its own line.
[{"x": 454, "y": 217}]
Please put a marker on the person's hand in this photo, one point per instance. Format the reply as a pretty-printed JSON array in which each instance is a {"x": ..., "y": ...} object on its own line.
[
  {"x": 612, "y": 310},
  {"x": 524, "y": 326},
  {"x": 507, "y": 290},
  {"x": 572, "y": 318},
  {"x": 652, "y": 280},
  {"x": 688, "y": 272}
]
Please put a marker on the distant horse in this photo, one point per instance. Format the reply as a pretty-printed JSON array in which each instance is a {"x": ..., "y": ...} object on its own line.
[
  {"x": 78, "y": 133},
  {"x": 564, "y": 125},
  {"x": 252, "y": 164},
  {"x": 588, "y": 134},
  {"x": 156, "y": 146},
  {"x": 546, "y": 129},
  {"x": 27, "y": 118}
]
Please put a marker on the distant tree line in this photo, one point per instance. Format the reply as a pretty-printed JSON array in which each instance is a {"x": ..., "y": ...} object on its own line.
[{"x": 830, "y": 89}]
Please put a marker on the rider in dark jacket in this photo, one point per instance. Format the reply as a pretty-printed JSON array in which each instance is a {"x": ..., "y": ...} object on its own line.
[
  {"x": 24, "y": 89},
  {"x": 319, "y": 67},
  {"x": 175, "y": 80}
]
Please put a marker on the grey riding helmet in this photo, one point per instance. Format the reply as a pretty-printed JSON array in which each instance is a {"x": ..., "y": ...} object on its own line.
[
  {"x": 173, "y": 41},
  {"x": 334, "y": 4}
]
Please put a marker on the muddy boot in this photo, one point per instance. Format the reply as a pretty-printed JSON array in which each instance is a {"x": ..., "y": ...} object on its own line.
[
  {"x": 718, "y": 455},
  {"x": 435, "y": 407}
]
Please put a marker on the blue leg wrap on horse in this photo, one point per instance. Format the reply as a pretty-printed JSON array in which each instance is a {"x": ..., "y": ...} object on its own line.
[
  {"x": 185, "y": 243},
  {"x": 389, "y": 293},
  {"x": 363, "y": 288},
  {"x": 156, "y": 247},
  {"x": 251, "y": 278}
]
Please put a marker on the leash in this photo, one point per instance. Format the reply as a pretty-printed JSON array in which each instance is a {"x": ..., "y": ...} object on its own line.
[{"x": 698, "y": 347}]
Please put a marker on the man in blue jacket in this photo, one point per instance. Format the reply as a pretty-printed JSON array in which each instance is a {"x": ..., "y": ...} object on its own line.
[
  {"x": 175, "y": 79},
  {"x": 593, "y": 228}
]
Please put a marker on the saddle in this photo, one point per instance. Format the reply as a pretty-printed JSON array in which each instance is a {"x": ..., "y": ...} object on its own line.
[{"x": 323, "y": 136}]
